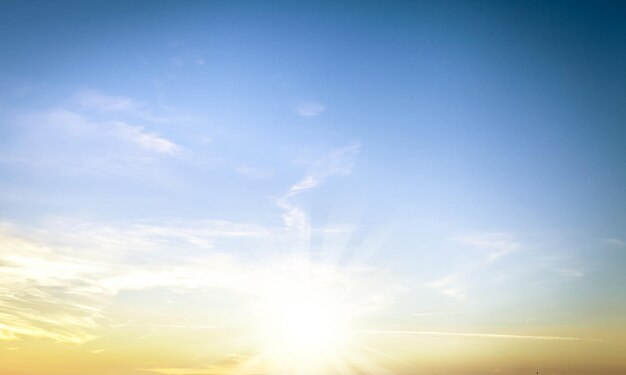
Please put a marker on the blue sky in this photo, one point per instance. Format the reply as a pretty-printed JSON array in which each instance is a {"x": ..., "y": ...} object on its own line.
[{"x": 473, "y": 154}]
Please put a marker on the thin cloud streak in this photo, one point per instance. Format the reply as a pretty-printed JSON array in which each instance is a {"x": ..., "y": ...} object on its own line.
[
  {"x": 190, "y": 326},
  {"x": 492, "y": 245},
  {"x": 83, "y": 126},
  {"x": 99, "y": 135},
  {"x": 451, "y": 286},
  {"x": 480, "y": 335},
  {"x": 95, "y": 100},
  {"x": 99, "y": 103},
  {"x": 310, "y": 109},
  {"x": 337, "y": 162}
]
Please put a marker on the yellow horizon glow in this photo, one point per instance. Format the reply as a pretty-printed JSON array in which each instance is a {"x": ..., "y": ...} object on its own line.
[{"x": 280, "y": 316}]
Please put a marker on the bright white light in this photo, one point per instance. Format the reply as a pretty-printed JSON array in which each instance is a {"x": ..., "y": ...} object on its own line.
[{"x": 305, "y": 325}]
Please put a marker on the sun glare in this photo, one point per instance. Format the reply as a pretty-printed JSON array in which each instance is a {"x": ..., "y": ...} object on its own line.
[{"x": 305, "y": 325}]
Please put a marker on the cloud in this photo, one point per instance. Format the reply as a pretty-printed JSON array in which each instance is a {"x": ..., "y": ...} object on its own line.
[
  {"x": 310, "y": 109},
  {"x": 57, "y": 280},
  {"x": 450, "y": 285},
  {"x": 568, "y": 272},
  {"x": 433, "y": 313},
  {"x": 558, "y": 268},
  {"x": 483, "y": 335},
  {"x": 80, "y": 125},
  {"x": 45, "y": 292},
  {"x": 119, "y": 128},
  {"x": 308, "y": 183},
  {"x": 95, "y": 100},
  {"x": 339, "y": 161},
  {"x": 492, "y": 245},
  {"x": 212, "y": 370},
  {"x": 81, "y": 140},
  {"x": 97, "y": 103},
  {"x": 145, "y": 140}
]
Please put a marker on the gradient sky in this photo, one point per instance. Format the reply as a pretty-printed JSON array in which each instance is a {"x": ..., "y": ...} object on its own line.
[{"x": 454, "y": 172}]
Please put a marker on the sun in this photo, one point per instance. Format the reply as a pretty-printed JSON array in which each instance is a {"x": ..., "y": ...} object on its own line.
[{"x": 305, "y": 325}]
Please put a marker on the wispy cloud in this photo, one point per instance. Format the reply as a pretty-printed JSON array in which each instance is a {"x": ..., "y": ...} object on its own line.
[
  {"x": 482, "y": 335},
  {"x": 489, "y": 246},
  {"x": 433, "y": 313},
  {"x": 212, "y": 370},
  {"x": 96, "y": 100},
  {"x": 336, "y": 162},
  {"x": 558, "y": 269},
  {"x": 47, "y": 293},
  {"x": 81, "y": 125},
  {"x": 310, "y": 109},
  {"x": 450, "y": 285},
  {"x": 187, "y": 60},
  {"x": 146, "y": 140},
  {"x": 98, "y": 138},
  {"x": 102, "y": 104},
  {"x": 568, "y": 272},
  {"x": 492, "y": 245},
  {"x": 57, "y": 280}
]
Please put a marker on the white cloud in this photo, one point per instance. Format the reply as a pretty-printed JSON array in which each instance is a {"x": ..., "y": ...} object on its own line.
[
  {"x": 310, "y": 109},
  {"x": 492, "y": 245},
  {"x": 65, "y": 120},
  {"x": 450, "y": 285},
  {"x": 95, "y": 100},
  {"x": 569, "y": 272},
  {"x": 85, "y": 126},
  {"x": 336, "y": 162},
  {"x": 559, "y": 268},
  {"x": 58, "y": 279},
  {"x": 482, "y": 335},
  {"x": 91, "y": 134},
  {"x": 148, "y": 141},
  {"x": 433, "y": 313},
  {"x": 46, "y": 292},
  {"x": 308, "y": 183},
  {"x": 214, "y": 370}
]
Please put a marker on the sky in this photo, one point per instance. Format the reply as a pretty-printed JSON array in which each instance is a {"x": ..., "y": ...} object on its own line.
[{"x": 208, "y": 188}]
